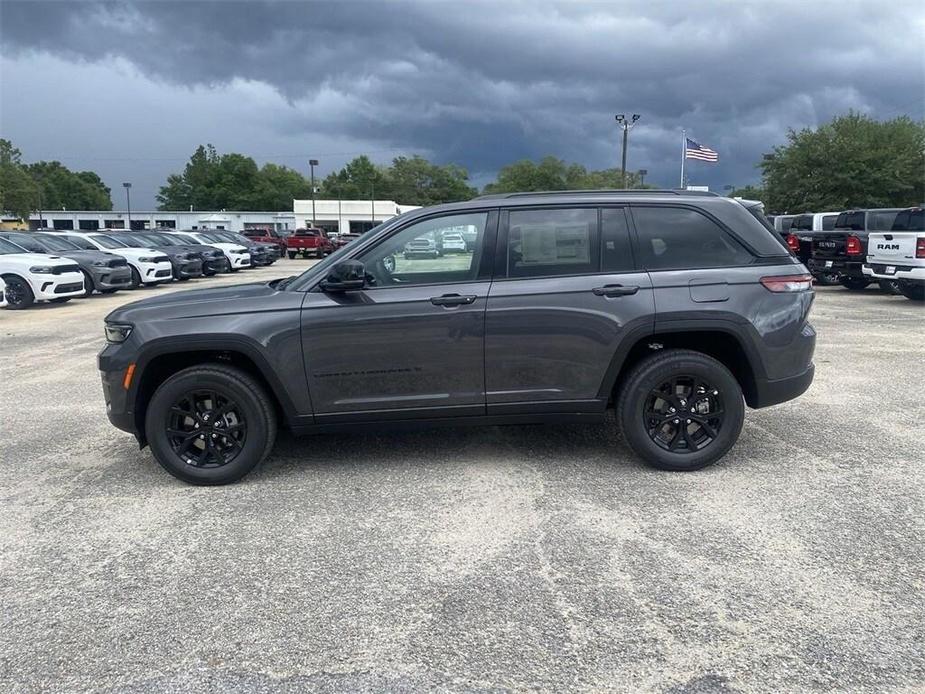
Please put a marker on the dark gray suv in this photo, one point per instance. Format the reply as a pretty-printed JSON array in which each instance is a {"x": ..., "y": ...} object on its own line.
[{"x": 677, "y": 309}]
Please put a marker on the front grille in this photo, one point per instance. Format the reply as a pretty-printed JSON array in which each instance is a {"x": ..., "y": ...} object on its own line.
[
  {"x": 69, "y": 287},
  {"x": 62, "y": 269},
  {"x": 162, "y": 273},
  {"x": 161, "y": 259},
  {"x": 117, "y": 262}
]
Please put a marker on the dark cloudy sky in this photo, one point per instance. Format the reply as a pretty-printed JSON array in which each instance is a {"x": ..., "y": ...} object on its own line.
[{"x": 130, "y": 90}]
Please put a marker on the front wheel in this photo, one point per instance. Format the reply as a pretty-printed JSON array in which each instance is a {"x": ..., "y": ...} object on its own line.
[
  {"x": 291, "y": 255},
  {"x": 136, "y": 279},
  {"x": 680, "y": 410},
  {"x": 210, "y": 424},
  {"x": 18, "y": 293},
  {"x": 855, "y": 284},
  {"x": 88, "y": 284},
  {"x": 912, "y": 290}
]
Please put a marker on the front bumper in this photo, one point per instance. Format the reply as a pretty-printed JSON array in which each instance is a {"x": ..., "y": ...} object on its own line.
[
  {"x": 46, "y": 287},
  {"x": 188, "y": 269},
  {"x": 111, "y": 277},
  {"x": 118, "y": 405},
  {"x": 900, "y": 272},
  {"x": 240, "y": 260},
  {"x": 215, "y": 265},
  {"x": 151, "y": 273}
]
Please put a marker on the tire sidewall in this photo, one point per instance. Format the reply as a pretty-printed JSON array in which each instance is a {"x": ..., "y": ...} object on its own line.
[
  {"x": 28, "y": 297},
  {"x": 157, "y": 416},
  {"x": 644, "y": 381}
]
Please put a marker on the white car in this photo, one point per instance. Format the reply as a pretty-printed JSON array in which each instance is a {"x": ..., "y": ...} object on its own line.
[
  {"x": 30, "y": 277},
  {"x": 899, "y": 256},
  {"x": 2, "y": 293},
  {"x": 237, "y": 255},
  {"x": 454, "y": 243},
  {"x": 149, "y": 265}
]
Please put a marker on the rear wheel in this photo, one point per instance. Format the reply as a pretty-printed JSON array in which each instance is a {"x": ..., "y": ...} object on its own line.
[
  {"x": 680, "y": 410},
  {"x": 889, "y": 286},
  {"x": 912, "y": 290},
  {"x": 210, "y": 424},
  {"x": 291, "y": 255},
  {"x": 18, "y": 293},
  {"x": 854, "y": 283}
]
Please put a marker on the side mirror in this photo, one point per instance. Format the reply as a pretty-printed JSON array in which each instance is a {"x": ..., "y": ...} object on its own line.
[{"x": 347, "y": 275}]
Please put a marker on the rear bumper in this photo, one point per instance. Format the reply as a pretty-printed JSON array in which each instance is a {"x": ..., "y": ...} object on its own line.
[
  {"x": 768, "y": 392},
  {"x": 836, "y": 266},
  {"x": 902, "y": 272}
]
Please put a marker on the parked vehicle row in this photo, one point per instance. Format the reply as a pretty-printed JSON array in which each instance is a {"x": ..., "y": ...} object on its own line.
[
  {"x": 56, "y": 266},
  {"x": 836, "y": 247}
]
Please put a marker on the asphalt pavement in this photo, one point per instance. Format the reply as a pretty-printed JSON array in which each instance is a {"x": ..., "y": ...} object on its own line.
[{"x": 505, "y": 558}]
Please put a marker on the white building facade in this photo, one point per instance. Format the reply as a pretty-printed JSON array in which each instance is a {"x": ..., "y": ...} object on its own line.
[{"x": 331, "y": 215}]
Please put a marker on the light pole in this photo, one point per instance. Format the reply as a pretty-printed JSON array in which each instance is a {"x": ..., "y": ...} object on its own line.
[
  {"x": 312, "y": 164},
  {"x": 627, "y": 125},
  {"x": 128, "y": 202},
  {"x": 372, "y": 203},
  {"x": 642, "y": 177}
]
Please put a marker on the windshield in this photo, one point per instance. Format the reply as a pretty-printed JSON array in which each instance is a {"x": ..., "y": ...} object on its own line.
[
  {"x": 188, "y": 240},
  {"x": 108, "y": 241},
  {"x": 212, "y": 238},
  {"x": 129, "y": 240},
  {"x": 168, "y": 240},
  {"x": 7, "y": 247},
  {"x": 81, "y": 243},
  {"x": 238, "y": 238},
  {"x": 58, "y": 244}
]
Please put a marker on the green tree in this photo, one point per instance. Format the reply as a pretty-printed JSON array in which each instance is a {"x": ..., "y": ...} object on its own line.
[
  {"x": 277, "y": 186},
  {"x": 62, "y": 188},
  {"x": 416, "y": 181},
  {"x": 19, "y": 194},
  {"x": 853, "y": 161},
  {"x": 749, "y": 192},
  {"x": 552, "y": 173},
  {"x": 358, "y": 180}
]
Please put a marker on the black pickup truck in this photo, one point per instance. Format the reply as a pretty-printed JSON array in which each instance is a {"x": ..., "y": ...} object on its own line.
[{"x": 838, "y": 255}]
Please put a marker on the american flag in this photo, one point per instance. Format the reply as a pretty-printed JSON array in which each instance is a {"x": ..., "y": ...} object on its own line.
[{"x": 695, "y": 150}]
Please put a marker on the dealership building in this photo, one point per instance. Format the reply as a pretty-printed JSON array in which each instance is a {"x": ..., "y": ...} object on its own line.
[{"x": 341, "y": 216}]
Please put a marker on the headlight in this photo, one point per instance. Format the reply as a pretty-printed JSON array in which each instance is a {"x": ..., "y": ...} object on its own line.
[
  {"x": 41, "y": 269},
  {"x": 146, "y": 260},
  {"x": 117, "y": 332},
  {"x": 100, "y": 263}
]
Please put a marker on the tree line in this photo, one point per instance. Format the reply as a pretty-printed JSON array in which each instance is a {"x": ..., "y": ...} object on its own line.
[{"x": 853, "y": 161}]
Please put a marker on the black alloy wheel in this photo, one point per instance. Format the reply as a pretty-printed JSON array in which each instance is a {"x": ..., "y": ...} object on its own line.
[
  {"x": 18, "y": 293},
  {"x": 684, "y": 414},
  {"x": 206, "y": 428}
]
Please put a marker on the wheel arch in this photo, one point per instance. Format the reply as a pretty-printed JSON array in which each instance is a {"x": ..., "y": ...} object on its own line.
[
  {"x": 723, "y": 343},
  {"x": 162, "y": 363}
]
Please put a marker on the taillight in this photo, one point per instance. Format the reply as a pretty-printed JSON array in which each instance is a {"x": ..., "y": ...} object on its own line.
[
  {"x": 920, "y": 247},
  {"x": 788, "y": 283},
  {"x": 854, "y": 246},
  {"x": 793, "y": 243}
]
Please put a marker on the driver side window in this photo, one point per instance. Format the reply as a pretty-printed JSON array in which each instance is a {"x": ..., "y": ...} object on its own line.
[{"x": 433, "y": 251}]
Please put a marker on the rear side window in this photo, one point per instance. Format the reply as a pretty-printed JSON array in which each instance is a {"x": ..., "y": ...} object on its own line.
[
  {"x": 681, "y": 238},
  {"x": 543, "y": 243},
  {"x": 802, "y": 223},
  {"x": 828, "y": 221}
]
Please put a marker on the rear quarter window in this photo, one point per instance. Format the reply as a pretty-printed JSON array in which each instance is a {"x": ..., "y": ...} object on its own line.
[
  {"x": 676, "y": 238},
  {"x": 828, "y": 222},
  {"x": 850, "y": 220}
]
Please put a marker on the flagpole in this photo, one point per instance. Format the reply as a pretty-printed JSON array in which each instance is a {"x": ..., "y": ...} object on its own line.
[{"x": 683, "y": 148}]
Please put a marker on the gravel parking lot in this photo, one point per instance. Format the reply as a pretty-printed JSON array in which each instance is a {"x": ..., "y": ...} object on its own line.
[{"x": 477, "y": 559}]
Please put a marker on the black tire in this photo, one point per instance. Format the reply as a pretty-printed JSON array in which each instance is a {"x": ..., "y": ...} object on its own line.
[
  {"x": 18, "y": 293},
  {"x": 889, "y": 286},
  {"x": 182, "y": 279},
  {"x": 88, "y": 284},
  {"x": 136, "y": 279},
  {"x": 252, "y": 407},
  {"x": 855, "y": 284},
  {"x": 722, "y": 395},
  {"x": 912, "y": 290},
  {"x": 291, "y": 255}
]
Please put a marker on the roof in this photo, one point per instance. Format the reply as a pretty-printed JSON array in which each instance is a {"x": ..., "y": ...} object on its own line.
[{"x": 630, "y": 192}]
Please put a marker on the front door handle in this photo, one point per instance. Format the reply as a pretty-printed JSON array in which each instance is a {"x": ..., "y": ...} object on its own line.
[
  {"x": 614, "y": 290},
  {"x": 453, "y": 300}
]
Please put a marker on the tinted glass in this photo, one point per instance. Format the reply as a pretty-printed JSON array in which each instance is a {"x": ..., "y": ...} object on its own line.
[
  {"x": 616, "y": 253},
  {"x": 82, "y": 243},
  {"x": 680, "y": 238},
  {"x": 543, "y": 243},
  {"x": 828, "y": 222},
  {"x": 415, "y": 255},
  {"x": 881, "y": 220},
  {"x": 24, "y": 241},
  {"x": 7, "y": 247},
  {"x": 58, "y": 244},
  {"x": 850, "y": 220},
  {"x": 786, "y": 223},
  {"x": 108, "y": 241},
  {"x": 802, "y": 223},
  {"x": 910, "y": 220}
]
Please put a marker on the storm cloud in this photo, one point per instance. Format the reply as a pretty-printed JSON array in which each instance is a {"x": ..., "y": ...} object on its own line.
[{"x": 130, "y": 89}]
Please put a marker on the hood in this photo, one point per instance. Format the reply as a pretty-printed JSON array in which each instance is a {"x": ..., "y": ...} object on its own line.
[
  {"x": 92, "y": 256},
  {"x": 199, "y": 303},
  {"x": 140, "y": 252},
  {"x": 27, "y": 260}
]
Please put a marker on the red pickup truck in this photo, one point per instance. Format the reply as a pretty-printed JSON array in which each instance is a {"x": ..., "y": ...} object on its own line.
[
  {"x": 308, "y": 242},
  {"x": 267, "y": 236}
]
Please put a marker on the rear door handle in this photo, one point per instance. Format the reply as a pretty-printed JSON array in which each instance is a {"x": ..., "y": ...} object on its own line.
[
  {"x": 453, "y": 300},
  {"x": 614, "y": 290}
]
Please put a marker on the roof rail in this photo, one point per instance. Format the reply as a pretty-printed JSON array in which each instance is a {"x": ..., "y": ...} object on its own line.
[{"x": 602, "y": 191}]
